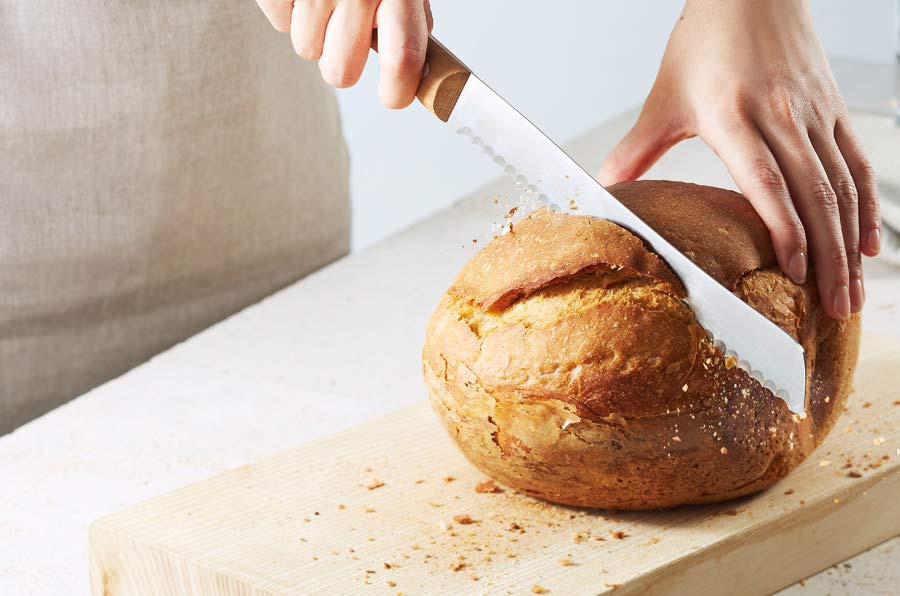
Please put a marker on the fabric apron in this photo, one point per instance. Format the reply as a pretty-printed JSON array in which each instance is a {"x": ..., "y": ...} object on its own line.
[{"x": 162, "y": 165}]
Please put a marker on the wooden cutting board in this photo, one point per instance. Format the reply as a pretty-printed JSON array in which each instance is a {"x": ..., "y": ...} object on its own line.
[{"x": 391, "y": 507}]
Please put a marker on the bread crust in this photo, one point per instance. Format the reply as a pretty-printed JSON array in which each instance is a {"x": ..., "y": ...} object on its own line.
[{"x": 564, "y": 362}]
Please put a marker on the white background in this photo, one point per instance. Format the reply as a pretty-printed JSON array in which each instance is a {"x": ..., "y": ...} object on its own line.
[{"x": 567, "y": 64}]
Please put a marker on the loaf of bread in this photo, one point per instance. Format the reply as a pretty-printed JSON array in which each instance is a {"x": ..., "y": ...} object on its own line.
[{"x": 564, "y": 362}]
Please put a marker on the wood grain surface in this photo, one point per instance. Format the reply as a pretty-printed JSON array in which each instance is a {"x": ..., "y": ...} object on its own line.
[{"x": 390, "y": 507}]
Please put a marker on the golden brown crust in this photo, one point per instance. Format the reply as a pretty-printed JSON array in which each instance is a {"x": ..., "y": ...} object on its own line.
[
  {"x": 576, "y": 374},
  {"x": 506, "y": 269}
]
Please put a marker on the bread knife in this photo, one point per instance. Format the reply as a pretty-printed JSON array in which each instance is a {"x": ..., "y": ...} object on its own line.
[{"x": 472, "y": 109}]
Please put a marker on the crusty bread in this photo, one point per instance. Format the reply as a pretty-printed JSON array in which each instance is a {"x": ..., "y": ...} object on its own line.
[{"x": 565, "y": 364}]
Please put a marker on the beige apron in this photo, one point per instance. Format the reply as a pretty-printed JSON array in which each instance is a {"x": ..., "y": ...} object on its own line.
[{"x": 162, "y": 165}]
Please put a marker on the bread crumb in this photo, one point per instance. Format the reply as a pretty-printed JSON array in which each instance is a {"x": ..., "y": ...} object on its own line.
[
  {"x": 824, "y": 463},
  {"x": 391, "y": 583},
  {"x": 676, "y": 439},
  {"x": 388, "y": 565},
  {"x": 375, "y": 484},
  {"x": 789, "y": 491},
  {"x": 341, "y": 506},
  {"x": 724, "y": 450},
  {"x": 897, "y": 402},
  {"x": 538, "y": 589},
  {"x": 684, "y": 387},
  {"x": 420, "y": 481},
  {"x": 878, "y": 441},
  {"x": 827, "y": 399},
  {"x": 464, "y": 519},
  {"x": 511, "y": 555},
  {"x": 653, "y": 540},
  {"x": 566, "y": 562},
  {"x": 368, "y": 510},
  {"x": 854, "y": 474},
  {"x": 448, "y": 479},
  {"x": 868, "y": 404},
  {"x": 488, "y": 486},
  {"x": 614, "y": 586},
  {"x": 458, "y": 566},
  {"x": 836, "y": 501},
  {"x": 618, "y": 534}
]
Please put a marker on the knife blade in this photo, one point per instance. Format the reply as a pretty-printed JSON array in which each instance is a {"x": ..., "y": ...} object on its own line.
[{"x": 455, "y": 95}]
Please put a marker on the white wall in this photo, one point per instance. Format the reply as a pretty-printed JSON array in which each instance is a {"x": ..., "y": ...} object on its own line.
[{"x": 567, "y": 64}]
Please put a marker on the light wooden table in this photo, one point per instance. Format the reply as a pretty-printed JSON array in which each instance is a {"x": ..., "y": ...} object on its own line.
[{"x": 337, "y": 348}]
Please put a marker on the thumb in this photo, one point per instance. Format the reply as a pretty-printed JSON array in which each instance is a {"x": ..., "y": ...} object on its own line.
[{"x": 652, "y": 135}]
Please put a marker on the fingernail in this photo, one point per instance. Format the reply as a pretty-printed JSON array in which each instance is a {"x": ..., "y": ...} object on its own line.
[
  {"x": 875, "y": 241},
  {"x": 842, "y": 302},
  {"x": 797, "y": 268},
  {"x": 857, "y": 295}
]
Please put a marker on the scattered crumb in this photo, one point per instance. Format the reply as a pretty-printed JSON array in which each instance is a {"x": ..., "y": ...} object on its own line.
[
  {"x": 538, "y": 589},
  {"x": 614, "y": 586},
  {"x": 391, "y": 583},
  {"x": 676, "y": 439},
  {"x": 576, "y": 537},
  {"x": 511, "y": 555},
  {"x": 868, "y": 404},
  {"x": 836, "y": 501},
  {"x": 897, "y": 402},
  {"x": 464, "y": 519},
  {"x": 789, "y": 491},
  {"x": 824, "y": 463},
  {"x": 488, "y": 486},
  {"x": 341, "y": 506},
  {"x": 474, "y": 240},
  {"x": 388, "y": 566},
  {"x": 878, "y": 441},
  {"x": 724, "y": 450},
  {"x": 653, "y": 540},
  {"x": 566, "y": 562},
  {"x": 684, "y": 387},
  {"x": 368, "y": 510},
  {"x": 375, "y": 484},
  {"x": 803, "y": 501},
  {"x": 618, "y": 534},
  {"x": 854, "y": 474},
  {"x": 448, "y": 479},
  {"x": 458, "y": 566}
]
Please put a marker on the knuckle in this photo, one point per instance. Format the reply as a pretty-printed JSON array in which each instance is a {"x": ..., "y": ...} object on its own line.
[
  {"x": 837, "y": 258},
  {"x": 407, "y": 58},
  {"x": 768, "y": 177},
  {"x": 823, "y": 195},
  {"x": 783, "y": 106},
  {"x": 846, "y": 191}
]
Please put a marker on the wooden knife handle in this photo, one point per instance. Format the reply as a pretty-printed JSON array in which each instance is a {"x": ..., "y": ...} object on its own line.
[{"x": 445, "y": 77}]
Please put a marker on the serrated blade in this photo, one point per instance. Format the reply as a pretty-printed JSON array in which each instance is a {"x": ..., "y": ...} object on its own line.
[{"x": 770, "y": 355}]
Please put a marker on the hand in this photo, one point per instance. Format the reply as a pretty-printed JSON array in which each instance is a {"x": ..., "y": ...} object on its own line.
[
  {"x": 339, "y": 33},
  {"x": 751, "y": 79}
]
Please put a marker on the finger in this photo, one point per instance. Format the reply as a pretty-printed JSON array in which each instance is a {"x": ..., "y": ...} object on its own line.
[
  {"x": 751, "y": 164},
  {"x": 864, "y": 179},
  {"x": 845, "y": 190},
  {"x": 654, "y": 133},
  {"x": 429, "y": 18},
  {"x": 816, "y": 204},
  {"x": 309, "y": 22},
  {"x": 402, "y": 40},
  {"x": 347, "y": 41},
  {"x": 278, "y": 12}
]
